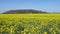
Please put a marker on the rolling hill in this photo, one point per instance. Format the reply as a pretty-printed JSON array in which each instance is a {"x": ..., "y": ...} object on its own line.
[{"x": 24, "y": 11}]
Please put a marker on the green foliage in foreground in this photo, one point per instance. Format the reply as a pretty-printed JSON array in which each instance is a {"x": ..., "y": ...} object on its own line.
[{"x": 39, "y": 25}]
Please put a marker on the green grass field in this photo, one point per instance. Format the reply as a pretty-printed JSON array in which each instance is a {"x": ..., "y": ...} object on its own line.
[{"x": 29, "y": 23}]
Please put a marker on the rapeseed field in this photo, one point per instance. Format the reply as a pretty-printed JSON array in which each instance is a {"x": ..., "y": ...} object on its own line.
[{"x": 29, "y": 23}]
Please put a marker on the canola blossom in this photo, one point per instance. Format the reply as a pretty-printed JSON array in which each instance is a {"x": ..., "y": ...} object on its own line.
[{"x": 29, "y": 23}]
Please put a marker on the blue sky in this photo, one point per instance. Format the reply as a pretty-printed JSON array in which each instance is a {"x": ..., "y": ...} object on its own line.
[{"x": 44, "y": 5}]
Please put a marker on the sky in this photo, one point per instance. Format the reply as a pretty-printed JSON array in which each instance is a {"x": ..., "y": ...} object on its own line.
[{"x": 43, "y": 5}]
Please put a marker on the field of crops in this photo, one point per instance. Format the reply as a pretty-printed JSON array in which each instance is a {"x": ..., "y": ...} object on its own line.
[{"x": 29, "y": 23}]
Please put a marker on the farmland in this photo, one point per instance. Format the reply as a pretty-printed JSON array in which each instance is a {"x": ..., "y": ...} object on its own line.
[{"x": 29, "y": 23}]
